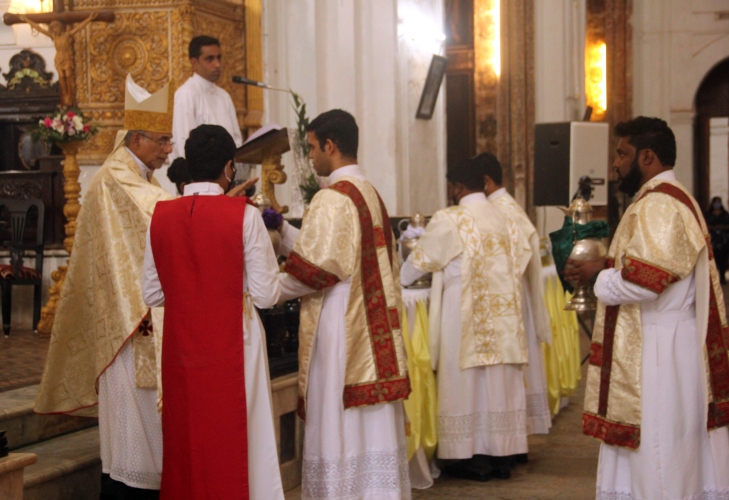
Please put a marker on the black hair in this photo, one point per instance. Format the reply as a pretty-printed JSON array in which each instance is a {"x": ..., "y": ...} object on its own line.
[
  {"x": 196, "y": 44},
  {"x": 490, "y": 166},
  {"x": 208, "y": 149},
  {"x": 650, "y": 133},
  {"x": 178, "y": 173},
  {"x": 340, "y": 127},
  {"x": 467, "y": 173}
]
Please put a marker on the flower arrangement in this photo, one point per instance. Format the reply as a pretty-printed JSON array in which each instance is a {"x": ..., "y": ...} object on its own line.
[{"x": 65, "y": 125}]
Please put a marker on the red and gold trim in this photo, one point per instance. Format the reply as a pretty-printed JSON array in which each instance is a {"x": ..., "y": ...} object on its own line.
[
  {"x": 596, "y": 354},
  {"x": 647, "y": 275},
  {"x": 394, "y": 315},
  {"x": 717, "y": 345},
  {"x": 389, "y": 384},
  {"x": 308, "y": 273},
  {"x": 611, "y": 319},
  {"x": 379, "y": 237},
  {"x": 609, "y": 432},
  {"x": 717, "y": 335},
  {"x": 383, "y": 391}
]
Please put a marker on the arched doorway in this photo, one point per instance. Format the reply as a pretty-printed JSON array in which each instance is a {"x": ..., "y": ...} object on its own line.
[{"x": 711, "y": 136}]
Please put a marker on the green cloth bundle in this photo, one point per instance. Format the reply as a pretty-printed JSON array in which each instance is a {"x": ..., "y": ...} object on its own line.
[{"x": 562, "y": 242}]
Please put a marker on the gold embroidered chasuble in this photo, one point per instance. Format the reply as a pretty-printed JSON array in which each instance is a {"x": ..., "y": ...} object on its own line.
[
  {"x": 533, "y": 269},
  {"x": 101, "y": 304},
  {"x": 346, "y": 234},
  {"x": 661, "y": 238},
  {"x": 491, "y": 251}
]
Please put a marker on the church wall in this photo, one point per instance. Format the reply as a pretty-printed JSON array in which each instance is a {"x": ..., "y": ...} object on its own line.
[
  {"x": 355, "y": 56},
  {"x": 676, "y": 43},
  {"x": 559, "y": 76}
]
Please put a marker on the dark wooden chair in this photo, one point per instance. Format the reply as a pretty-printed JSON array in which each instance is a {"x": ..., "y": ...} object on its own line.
[{"x": 22, "y": 238}]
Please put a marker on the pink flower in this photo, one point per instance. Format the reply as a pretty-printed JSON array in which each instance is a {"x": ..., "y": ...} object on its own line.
[
  {"x": 70, "y": 114},
  {"x": 87, "y": 128},
  {"x": 48, "y": 122}
]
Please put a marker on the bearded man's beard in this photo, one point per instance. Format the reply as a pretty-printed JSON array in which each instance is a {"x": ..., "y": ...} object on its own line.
[{"x": 630, "y": 184}]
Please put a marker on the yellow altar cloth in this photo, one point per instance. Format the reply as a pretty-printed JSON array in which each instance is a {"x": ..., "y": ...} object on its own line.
[{"x": 562, "y": 358}]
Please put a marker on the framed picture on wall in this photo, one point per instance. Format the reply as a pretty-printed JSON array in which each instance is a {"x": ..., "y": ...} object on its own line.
[{"x": 432, "y": 87}]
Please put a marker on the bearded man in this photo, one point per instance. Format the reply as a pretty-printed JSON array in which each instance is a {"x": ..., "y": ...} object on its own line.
[{"x": 658, "y": 381}]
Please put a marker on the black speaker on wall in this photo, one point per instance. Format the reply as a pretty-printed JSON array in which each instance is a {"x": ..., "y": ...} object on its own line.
[{"x": 564, "y": 152}]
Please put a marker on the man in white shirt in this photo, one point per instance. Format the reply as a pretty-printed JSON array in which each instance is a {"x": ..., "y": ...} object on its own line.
[
  {"x": 199, "y": 100},
  {"x": 209, "y": 260}
]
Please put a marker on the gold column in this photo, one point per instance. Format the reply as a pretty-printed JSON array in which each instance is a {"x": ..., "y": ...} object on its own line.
[
  {"x": 72, "y": 191},
  {"x": 254, "y": 62}
]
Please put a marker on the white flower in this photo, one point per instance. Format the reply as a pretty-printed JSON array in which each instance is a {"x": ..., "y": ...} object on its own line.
[
  {"x": 78, "y": 123},
  {"x": 57, "y": 125}
]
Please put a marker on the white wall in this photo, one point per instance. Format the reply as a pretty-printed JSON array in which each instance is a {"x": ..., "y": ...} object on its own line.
[
  {"x": 559, "y": 75},
  {"x": 350, "y": 55},
  {"x": 676, "y": 43},
  {"x": 719, "y": 158}
]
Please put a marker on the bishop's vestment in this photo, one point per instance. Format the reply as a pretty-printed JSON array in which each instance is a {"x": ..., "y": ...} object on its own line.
[
  {"x": 102, "y": 331},
  {"x": 658, "y": 382},
  {"x": 209, "y": 260},
  {"x": 482, "y": 346},
  {"x": 534, "y": 311},
  {"x": 352, "y": 370}
]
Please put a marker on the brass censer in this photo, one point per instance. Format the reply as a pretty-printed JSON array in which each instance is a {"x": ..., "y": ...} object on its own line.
[{"x": 587, "y": 249}]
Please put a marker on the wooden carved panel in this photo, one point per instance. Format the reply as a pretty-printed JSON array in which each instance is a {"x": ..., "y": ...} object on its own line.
[{"x": 149, "y": 39}]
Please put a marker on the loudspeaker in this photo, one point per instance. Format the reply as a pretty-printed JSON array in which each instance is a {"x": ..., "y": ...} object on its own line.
[{"x": 564, "y": 152}]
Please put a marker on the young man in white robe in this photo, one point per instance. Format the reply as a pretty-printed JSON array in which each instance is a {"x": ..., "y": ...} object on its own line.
[
  {"x": 482, "y": 349},
  {"x": 534, "y": 310},
  {"x": 211, "y": 174},
  {"x": 352, "y": 371},
  {"x": 200, "y": 101},
  {"x": 658, "y": 381}
]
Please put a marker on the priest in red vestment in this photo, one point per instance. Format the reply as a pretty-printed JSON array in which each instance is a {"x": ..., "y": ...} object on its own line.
[{"x": 209, "y": 260}]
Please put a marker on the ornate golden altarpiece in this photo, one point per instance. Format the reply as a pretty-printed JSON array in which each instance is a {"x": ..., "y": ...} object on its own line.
[{"x": 149, "y": 39}]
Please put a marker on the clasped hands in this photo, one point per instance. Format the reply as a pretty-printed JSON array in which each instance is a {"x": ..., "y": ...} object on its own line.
[{"x": 583, "y": 272}]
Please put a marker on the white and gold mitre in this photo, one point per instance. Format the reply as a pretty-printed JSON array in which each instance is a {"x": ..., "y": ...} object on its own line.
[{"x": 148, "y": 112}]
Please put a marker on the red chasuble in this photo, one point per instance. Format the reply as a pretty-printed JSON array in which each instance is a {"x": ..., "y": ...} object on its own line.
[{"x": 197, "y": 242}]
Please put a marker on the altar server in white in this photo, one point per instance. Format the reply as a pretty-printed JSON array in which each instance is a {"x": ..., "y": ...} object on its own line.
[
  {"x": 482, "y": 349},
  {"x": 352, "y": 370},
  {"x": 200, "y": 101},
  {"x": 534, "y": 310},
  {"x": 657, "y": 391}
]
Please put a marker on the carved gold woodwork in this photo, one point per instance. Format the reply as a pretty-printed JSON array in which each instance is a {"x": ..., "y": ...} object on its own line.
[
  {"x": 72, "y": 191},
  {"x": 254, "y": 61},
  {"x": 272, "y": 173},
  {"x": 149, "y": 39}
]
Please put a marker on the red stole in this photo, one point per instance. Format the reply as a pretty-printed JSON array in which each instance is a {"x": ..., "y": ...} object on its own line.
[{"x": 197, "y": 242}]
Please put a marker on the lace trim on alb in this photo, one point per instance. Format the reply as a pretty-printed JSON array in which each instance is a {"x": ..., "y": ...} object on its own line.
[
  {"x": 352, "y": 477},
  {"x": 460, "y": 427},
  {"x": 136, "y": 479},
  {"x": 624, "y": 495},
  {"x": 537, "y": 405}
]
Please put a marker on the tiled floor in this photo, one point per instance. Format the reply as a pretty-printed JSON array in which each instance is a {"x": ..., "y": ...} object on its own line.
[{"x": 22, "y": 358}]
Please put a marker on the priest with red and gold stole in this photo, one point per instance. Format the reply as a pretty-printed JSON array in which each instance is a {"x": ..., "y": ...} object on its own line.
[
  {"x": 210, "y": 262},
  {"x": 658, "y": 382},
  {"x": 352, "y": 372}
]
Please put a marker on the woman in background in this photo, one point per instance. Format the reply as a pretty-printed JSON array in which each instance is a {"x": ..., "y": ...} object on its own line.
[{"x": 717, "y": 218}]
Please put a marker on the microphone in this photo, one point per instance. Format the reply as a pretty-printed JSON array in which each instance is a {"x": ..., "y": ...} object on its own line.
[{"x": 246, "y": 81}]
